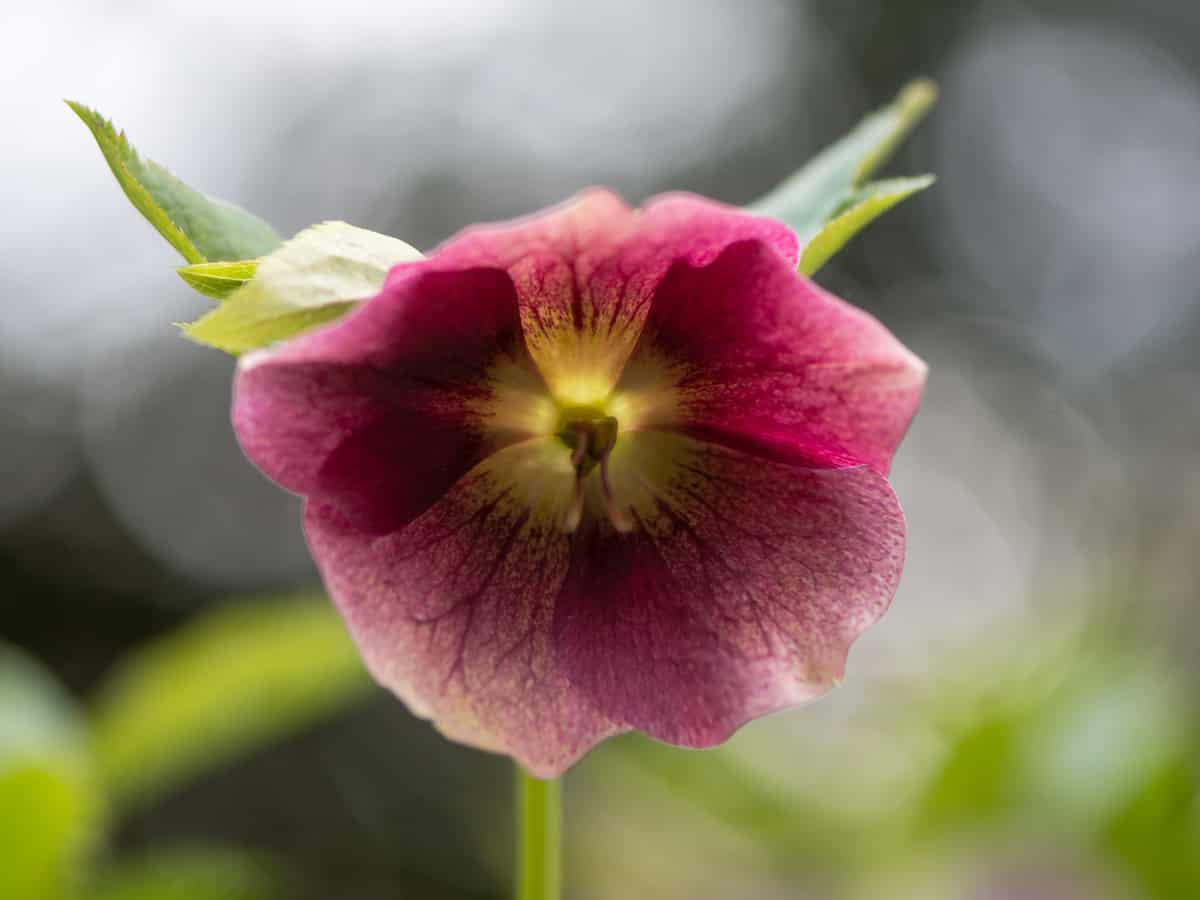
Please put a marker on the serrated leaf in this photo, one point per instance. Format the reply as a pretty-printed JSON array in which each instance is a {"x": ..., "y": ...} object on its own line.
[
  {"x": 809, "y": 197},
  {"x": 315, "y": 277},
  {"x": 859, "y": 209},
  {"x": 236, "y": 678},
  {"x": 50, "y": 811},
  {"x": 192, "y": 874},
  {"x": 218, "y": 279},
  {"x": 201, "y": 228}
]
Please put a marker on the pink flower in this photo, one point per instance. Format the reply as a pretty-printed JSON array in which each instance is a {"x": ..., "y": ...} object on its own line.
[{"x": 596, "y": 470}]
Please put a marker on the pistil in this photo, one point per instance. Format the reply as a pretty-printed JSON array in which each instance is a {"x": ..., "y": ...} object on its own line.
[{"x": 591, "y": 438}]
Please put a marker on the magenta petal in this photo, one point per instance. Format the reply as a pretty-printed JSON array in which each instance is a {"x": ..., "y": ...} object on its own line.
[
  {"x": 586, "y": 271},
  {"x": 584, "y": 228},
  {"x": 696, "y": 230},
  {"x": 739, "y": 593},
  {"x": 379, "y": 414},
  {"x": 764, "y": 359},
  {"x": 455, "y": 612}
]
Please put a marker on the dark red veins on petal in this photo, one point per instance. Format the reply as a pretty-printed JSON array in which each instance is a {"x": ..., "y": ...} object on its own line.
[
  {"x": 738, "y": 593},
  {"x": 768, "y": 362},
  {"x": 380, "y": 414}
]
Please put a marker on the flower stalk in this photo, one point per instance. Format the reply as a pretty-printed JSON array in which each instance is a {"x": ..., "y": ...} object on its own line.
[{"x": 539, "y": 838}]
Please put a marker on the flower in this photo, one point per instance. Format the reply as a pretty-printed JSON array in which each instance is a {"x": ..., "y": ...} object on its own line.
[{"x": 595, "y": 470}]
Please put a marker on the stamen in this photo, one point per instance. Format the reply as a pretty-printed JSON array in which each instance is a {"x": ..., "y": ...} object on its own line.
[
  {"x": 580, "y": 452},
  {"x": 591, "y": 441},
  {"x": 574, "y": 515},
  {"x": 575, "y": 510},
  {"x": 620, "y": 518}
]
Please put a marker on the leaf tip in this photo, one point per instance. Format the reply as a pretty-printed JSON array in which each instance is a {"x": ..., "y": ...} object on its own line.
[{"x": 916, "y": 98}]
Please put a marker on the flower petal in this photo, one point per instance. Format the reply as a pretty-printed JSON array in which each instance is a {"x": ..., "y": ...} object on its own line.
[
  {"x": 455, "y": 612},
  {"x": 585, "y": 273},
  {"x": 739, "y": 592},
  {"x": 697, "y": 230},
  {"x": 748, "y": 353},
  {"x": 381, "y": 413},
  {"x": 578, "y": 338}
]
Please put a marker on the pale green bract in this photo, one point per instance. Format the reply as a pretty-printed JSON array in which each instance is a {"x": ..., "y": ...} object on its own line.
[
  {"x": 315, "y": 277},
  {"x": 861, "y": 207},
  {"x": 201, "y": 228},
  {"x": 218, "y": 279},
  {"x": 827, "y": 202}
]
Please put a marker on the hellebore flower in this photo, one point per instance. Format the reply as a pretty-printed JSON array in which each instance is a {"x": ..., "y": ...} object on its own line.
[{"x": 596, "y": 470}]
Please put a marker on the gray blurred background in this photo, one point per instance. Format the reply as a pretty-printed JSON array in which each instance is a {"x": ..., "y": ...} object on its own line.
[{"x": 1050, "y": 278}]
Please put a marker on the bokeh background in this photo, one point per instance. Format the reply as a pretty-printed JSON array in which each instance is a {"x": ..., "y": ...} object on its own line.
[{"x": 1024, "y": 723}]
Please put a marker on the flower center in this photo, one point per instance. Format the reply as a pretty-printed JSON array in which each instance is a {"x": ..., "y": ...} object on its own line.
[{"x": 591, "y": 434}]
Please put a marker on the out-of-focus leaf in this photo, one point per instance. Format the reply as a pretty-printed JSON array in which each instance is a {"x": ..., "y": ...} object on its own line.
[
  {"x": 859, "y": 209},
  {"x": 218, "y": 279},
  {"x": 1156, "y": 835},
  {"x": 49, "y": 809},
  {"x": 797, "y": 833},
  {"x": 314, "y": 278},
  {"x": 232, "y": 680},
  {"x": 193, "y": 874},
  {"x": 199, "y": 227},
  {"x": 1065, "y": 752},
  {"x": 810, "y": 197},
  {"x": 1103, "y": 735},
  {"x": 37, "y": 717},
  {"x": 979, "y": 779},
  {"x": 47, "y": 828}
]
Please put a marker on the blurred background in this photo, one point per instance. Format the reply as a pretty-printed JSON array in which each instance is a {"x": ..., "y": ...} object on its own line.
[{"x": 179, "y": 719}]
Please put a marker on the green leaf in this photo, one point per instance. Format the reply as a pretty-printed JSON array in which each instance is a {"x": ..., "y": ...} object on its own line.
[
  {"x": 193, "y": 874},
  {"x": 37, "y": 716},
  {"x": 235, "y": 679},
  {"x": 1156, "y": 835},
  {"x": 859, "y": 209},
  {"x": 46, "y": 831},
  {"x": 50, "y": 812},
  {"x": 199, "y": 227},
  {"x": 809, "y": 197},
  {"x": 218, "y": 279},
  {"x": 794, "y": 831},
  {"x": 314, "y": 278},
  {"x": 1105, "y": 734}
]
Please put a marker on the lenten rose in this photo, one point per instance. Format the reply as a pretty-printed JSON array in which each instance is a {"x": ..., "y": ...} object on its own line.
[{"x": 596, "y": 470}]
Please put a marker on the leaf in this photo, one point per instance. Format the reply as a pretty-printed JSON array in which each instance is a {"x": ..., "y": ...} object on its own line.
[
  {"x": 233, "y": 680},
  {"x": 1116, "y": 723},
  {"x": 37, "y": 716},
  {"x": 50, "y": 812},
  {"x": 808, "y": 198},
  {"x": 730, "y": 792},
  {"x": 199, "y": 227},
  {"x": 46, "y": 831},
  {"x": 1156, "y": 835},
  {"x": 859, "y": 209},
  {"x": 314, "y": 278},
  {"x": 193, "y": 874},
  {"x": 218, "y": 279}
]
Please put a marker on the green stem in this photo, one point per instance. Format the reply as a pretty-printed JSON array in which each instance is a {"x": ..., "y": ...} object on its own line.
[{"x": 539, "y": 829}]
